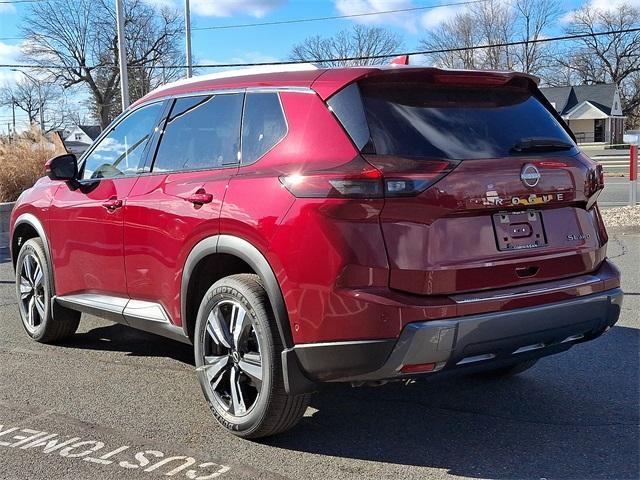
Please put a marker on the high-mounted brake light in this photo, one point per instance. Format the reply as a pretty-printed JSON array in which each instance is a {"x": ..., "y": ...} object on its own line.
[{"x": 470, "y": 79}]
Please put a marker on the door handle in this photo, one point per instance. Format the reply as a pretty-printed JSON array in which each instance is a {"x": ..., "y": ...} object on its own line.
[
  {"x": 112, "y": 204},
  {"x": 200, "y": 197}
]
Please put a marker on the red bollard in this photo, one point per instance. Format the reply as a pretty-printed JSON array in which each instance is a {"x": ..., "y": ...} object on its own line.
[{"x": 633, "y": 174}]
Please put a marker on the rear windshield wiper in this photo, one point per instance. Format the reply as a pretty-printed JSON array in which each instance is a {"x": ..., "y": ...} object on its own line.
[{"x": 540, "y": 144}]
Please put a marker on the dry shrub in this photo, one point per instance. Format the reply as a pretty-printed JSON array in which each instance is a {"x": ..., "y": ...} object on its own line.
[{"x": 22, "y": 162}]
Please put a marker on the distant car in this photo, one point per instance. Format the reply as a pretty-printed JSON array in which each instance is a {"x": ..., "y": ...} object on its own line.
[{"x": 355, "y": 225}]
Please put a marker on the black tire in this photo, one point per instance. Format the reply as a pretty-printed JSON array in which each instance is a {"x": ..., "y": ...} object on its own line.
[
  {"x": 272, "y": 409},
  {"x": 42, "y": 326},
  {"x": 508, "y": 371}
]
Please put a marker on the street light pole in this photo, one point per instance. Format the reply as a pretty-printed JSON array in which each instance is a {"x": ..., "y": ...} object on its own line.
[
  {"x": 122, "y": 56},
  {"x": 13, "y": 113},
  {"x": 187, "y": 30}
]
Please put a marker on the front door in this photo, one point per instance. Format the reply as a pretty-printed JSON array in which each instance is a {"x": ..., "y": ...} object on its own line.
[
  {"x": 86, "y": 221},
  {"x": 598, "y": 130},
  {"x": 178, "y": 203}
]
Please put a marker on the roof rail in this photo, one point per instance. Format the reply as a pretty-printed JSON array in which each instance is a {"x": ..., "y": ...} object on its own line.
[{"x": 240, "y": 72}]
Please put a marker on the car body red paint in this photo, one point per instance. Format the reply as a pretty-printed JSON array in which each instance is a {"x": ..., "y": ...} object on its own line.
[{"x": 348, "y": 269}]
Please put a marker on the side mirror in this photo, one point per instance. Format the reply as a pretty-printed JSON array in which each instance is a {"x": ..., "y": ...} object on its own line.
[{"x": 63, "y": 167}]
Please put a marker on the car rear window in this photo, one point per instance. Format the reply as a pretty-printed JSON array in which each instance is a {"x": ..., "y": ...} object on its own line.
[{"x": 448, "y": 121}]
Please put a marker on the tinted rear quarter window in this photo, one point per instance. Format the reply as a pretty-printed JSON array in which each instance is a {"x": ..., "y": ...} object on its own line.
[
  {"x": 201, "y": 132},
  {"x": 263, "y": 126}
]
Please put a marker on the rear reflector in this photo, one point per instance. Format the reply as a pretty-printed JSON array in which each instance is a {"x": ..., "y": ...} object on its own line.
[{"x": 418, "y": 368}]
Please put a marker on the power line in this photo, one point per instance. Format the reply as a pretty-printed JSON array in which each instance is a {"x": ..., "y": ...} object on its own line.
[
  {"x": 299, "y": 20},
  {"x": 347, "y": 59},
  {"x": 338, "y": 17}
]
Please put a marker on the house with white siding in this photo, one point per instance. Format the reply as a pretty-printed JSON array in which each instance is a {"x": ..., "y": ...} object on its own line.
[{"x": 593, "y": 112}]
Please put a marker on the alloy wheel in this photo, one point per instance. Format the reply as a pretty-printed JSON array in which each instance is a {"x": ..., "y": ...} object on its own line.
[
  {"x": 232, "y": 360},
  {"x": 32, "y": 292}
]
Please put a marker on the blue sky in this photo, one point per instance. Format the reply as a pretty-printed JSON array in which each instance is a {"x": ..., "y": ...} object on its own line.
[{"x": 268, "y": 43}]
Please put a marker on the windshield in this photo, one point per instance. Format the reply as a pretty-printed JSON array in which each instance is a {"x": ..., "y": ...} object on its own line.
[{"x": 458, "y": 122}]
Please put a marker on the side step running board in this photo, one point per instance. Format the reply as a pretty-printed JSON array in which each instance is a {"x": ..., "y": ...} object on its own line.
[{"x": 148, "y": 316}]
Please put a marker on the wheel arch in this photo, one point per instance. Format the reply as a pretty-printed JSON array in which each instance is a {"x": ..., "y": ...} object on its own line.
[
  {"x": 26, "y": 227},
  {"x": 254, "y": 262}
]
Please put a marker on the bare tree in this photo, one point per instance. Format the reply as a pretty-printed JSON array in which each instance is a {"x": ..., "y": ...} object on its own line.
[
  {"x": 78, "y": 46},
  {"x": 534, "y": 17},
  {"x": 612, "y": 58},
  {"x": 495, "y": 23},
  {"x": 359, "y": 41},
  {"x": 26, "y": 95}
]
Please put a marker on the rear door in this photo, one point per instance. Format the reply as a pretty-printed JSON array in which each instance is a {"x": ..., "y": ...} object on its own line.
[
  {"x": 484, "y": 187},
  {"x": 87, "y": 220},
  {"x": 178, "y": 202}
]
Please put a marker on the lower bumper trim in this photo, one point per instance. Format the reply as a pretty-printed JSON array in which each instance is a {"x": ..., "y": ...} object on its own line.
[{"x": 476, "y": 340}]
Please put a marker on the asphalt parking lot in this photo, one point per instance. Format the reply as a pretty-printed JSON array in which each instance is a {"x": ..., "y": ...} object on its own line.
[{"x": 134, "y": 401}]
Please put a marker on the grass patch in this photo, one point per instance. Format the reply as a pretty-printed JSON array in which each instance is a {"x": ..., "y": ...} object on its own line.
[{"x": 22, "y": 162}]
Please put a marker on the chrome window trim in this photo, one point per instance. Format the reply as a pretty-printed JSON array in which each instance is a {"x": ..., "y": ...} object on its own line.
[{"x": 174, "y": 96}]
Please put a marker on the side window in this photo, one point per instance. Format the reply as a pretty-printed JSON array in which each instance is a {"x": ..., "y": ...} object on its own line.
[
  {"x": 120, "y": 152},
  {"x": 201, "y": 132},
  {"x": 263, "y": 125}
]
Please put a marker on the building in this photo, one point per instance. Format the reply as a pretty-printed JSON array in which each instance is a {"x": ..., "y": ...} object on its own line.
[
  {"x": 593, "y": 112},
  {"x": 81, "y": 137}
]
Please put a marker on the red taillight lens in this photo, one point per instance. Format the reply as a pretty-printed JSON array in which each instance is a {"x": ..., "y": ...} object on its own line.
[
  {"x": 594, "y": 185},
  {"x": 355, "y": 179},
  {"x": 374, "y": 176}
]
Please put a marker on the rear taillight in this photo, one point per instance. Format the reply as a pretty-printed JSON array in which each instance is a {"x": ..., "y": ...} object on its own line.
[
  {"x": 355, "y": 179},
  {"x": 374, "y": 177},
  {"x": 594, "y": 185}
]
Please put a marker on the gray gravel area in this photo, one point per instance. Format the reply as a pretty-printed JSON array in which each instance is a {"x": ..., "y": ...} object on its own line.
[
  {"x": 573, "y": 416},
  {"x": 628, "y": 216}
]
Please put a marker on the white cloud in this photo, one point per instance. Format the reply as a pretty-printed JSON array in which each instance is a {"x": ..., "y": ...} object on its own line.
[
  {"x": 228, "y": 8},
  {"x": 7, "y": 8},
  {"x": 406, "y": 20},
  {"x": 433, "y": 18},
  {"x": 162, "y": 3},
  {"x": 8, "y": 54},
  {"x": 604, "y": 5},
  {"x": 222, "y": 8}
]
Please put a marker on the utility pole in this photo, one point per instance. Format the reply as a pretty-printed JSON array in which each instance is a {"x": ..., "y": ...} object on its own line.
[
  {"x": 13, "y": 112},
  {"x": 122, "y": 56},
  {"x": 187, "y": 30}
]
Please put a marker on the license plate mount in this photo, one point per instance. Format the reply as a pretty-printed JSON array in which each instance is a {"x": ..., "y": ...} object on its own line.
[{"x": 519, "y": 230}]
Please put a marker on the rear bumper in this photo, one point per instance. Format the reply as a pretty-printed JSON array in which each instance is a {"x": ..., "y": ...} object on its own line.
[{"x": 479, "y": 341}]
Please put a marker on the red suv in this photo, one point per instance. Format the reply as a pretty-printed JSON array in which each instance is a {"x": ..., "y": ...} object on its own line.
[{"x": 355, "y": 225}]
